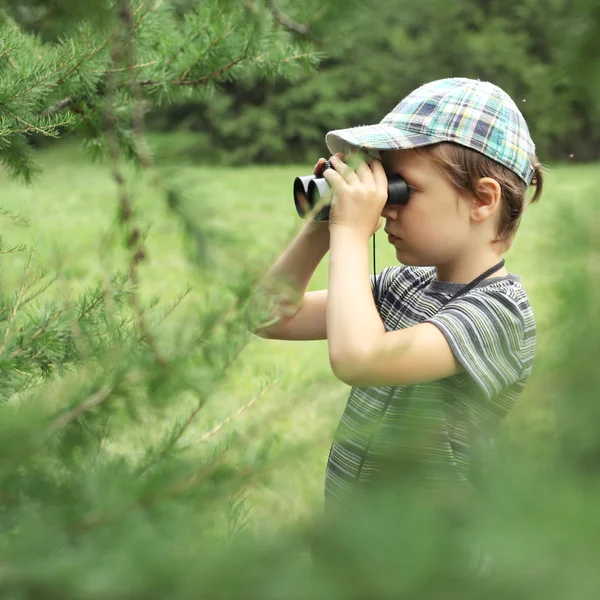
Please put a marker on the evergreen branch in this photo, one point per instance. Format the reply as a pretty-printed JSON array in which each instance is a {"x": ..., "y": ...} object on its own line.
[
  {"x": 216, "y": 73},
  {"x": 181, "y": 486},
  {"x": 13, "y": 218},
  {"x": 207, "y": 470},
  {"x": 177, "y": 435},
  {"x": 75, "y": 43},
  {"x": 238, "y": 412},
  {"x": 35, "y": 294},
  {"x": 41, "y": 330},
  {"x": 130, "y": 68},
  {"x": 11, "y": 249},
  {"x": 83, "y": 59},
  {"x": 288, "y": 23},
  {"x": 26, "y": 384},
  {"x": 284, "y": 60},
  {"x": 64, "y": 103},
  {"x": 7, "y": 51},
  {"x": 36, "y": 129},
  {"x": 91, "y": 307},
  {"x": 31, "y": 297},
  {"x": 17, "y": 302},
  {"x": 201, "y": 56},
  {"x": 138, "y": 9},
  {"x": 46, "y": 77},
  {"x": 170, "y": 310},
  {"x": 126, "y": 14},
  {"x": 29, "y": 125},
  {"x": 134, "y": 238},
  {"x": 175, "y": 54},
  {"x": 94, "y": 400}
]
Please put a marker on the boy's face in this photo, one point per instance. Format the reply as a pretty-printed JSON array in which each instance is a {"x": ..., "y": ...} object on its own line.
[{"x": 434, "y": 225}]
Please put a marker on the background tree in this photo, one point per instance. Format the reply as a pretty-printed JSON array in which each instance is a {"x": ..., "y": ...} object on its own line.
[{"x": 543, "y": 53}]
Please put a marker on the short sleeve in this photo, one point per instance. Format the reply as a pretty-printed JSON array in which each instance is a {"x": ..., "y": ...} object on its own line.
[
  {"x": 486, "y": 331},
  {"x": 384, "y": 279}
]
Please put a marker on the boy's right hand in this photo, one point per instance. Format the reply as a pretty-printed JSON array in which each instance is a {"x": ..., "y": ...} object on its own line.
[
  {"x": 321, "y": 226},
  {"x": 318, "y": 170}
]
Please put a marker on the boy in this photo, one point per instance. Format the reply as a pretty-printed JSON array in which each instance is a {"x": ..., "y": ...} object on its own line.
[{"x": 438, "y": 349}]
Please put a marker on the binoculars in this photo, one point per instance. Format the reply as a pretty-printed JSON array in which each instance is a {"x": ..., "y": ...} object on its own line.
[{"x": 309, "y": 190}]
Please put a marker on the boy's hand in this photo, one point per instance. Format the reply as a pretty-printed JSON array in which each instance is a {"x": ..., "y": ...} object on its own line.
[{"x": 359, "y": 193}]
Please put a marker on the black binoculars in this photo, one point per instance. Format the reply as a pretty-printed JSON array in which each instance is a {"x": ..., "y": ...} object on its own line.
[{"x": 309, "y": 190}]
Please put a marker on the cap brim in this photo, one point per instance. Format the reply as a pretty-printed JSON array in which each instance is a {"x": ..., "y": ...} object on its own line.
[{"x": 374, "y": 138}]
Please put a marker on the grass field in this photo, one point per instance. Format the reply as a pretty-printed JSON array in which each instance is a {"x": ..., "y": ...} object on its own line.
[{"x": 73, "y": 206}]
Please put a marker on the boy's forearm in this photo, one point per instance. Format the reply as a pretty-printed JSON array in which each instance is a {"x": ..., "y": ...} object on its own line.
[
  {"x": 353, "y": 323},
  {"x": 300, "y": 259},
  {"x": 286, "y": 281}
]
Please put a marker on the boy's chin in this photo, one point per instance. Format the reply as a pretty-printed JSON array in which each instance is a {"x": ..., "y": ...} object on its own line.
[{"x": 410, "y": 260}]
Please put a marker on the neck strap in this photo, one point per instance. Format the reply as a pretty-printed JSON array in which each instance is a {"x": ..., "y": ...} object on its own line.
[{"x": 462, "y": 291}]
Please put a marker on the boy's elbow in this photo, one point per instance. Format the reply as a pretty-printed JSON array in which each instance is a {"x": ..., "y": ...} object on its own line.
[{"x": 344, "y": 370}]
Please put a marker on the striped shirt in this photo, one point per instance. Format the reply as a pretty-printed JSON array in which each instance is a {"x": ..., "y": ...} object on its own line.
[{"x": 444, "y": 428}]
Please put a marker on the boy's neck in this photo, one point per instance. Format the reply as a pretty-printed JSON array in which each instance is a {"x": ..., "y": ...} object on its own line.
[{"x": 470, "y": 267}]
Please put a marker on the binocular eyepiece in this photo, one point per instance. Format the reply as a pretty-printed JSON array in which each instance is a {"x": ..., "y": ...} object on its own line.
[{"x": 309, "y": 190}]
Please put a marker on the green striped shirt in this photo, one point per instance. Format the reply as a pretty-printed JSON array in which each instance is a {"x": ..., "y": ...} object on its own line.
[{"x": 440, "y": 429}]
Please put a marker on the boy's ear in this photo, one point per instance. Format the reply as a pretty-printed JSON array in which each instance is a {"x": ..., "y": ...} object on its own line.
[{"x": 488, "y": 198}]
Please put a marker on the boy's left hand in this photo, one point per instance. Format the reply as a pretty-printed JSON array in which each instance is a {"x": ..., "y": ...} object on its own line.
[{"x": 359, "y": 193}]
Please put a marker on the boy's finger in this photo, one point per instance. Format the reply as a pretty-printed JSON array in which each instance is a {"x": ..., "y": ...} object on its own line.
[
  {"x": 319, "y": 166},
  {"x": 364, "y": 172},
  {"x": 381, "y": 179}
]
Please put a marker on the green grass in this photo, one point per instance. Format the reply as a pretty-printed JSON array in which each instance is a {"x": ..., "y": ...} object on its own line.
[{"x": 73, "y": 206}]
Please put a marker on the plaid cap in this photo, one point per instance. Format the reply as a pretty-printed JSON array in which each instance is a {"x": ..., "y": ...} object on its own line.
[{"x": 476, "y": 114}]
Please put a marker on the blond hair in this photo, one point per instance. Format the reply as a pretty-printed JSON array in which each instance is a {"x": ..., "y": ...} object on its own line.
[{"x": 464, "y": 167}]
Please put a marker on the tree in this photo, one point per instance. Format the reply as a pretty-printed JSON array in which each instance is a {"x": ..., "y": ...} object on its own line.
[{"x": 543, "y": 53}]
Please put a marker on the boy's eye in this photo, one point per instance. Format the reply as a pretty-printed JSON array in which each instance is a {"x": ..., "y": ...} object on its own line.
[{"x": 411, "y": 189}]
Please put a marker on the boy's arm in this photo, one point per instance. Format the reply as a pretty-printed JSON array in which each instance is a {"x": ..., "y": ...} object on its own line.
[{"x": 286, "y": 281}]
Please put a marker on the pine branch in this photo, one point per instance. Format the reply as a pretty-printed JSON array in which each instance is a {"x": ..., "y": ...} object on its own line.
[
  {"x": 172, "y": 308},
  {"x": 288, "y": 23},
  {"x": 175, "y": 54},
  {"x": 41, "y": 330},
  {"x": 51, "y": 74},
  {"x": 204, "y": 79},
  {"x": 238, "y": 412},
  {"x": 14, "y": 218},
  {"x": 30, "y": 127},
  {"x": 94, "y": 400},
  {"x": 35, "y": 294},
  {"x": 176, "y": 435},
  {"x": 201, "y": 56},
  {"x": 17, "y": 302},
  {"x": 138, "y": 250}
]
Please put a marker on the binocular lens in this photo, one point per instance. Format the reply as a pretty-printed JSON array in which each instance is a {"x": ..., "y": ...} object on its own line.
[{"x": 309, "y": 190}]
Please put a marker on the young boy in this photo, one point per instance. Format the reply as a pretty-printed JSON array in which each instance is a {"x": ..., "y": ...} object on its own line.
[{"x": 437, "y": 349}]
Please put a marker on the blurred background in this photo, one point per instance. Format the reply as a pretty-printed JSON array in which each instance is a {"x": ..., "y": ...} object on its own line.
[{"x": 544, "y": 53}]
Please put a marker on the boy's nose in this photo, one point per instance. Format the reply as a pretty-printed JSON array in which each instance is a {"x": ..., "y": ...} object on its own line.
[{"x": 390, "y": 211}]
